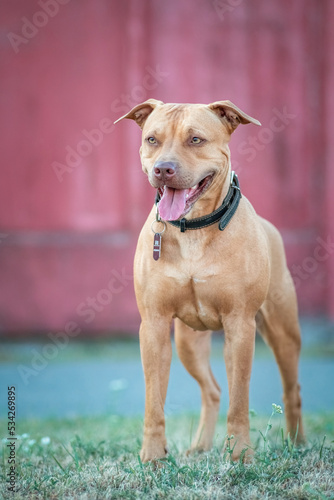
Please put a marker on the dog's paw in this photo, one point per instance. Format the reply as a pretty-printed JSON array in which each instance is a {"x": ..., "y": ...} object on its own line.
[
  {"x": 153, "y": 452},
  {"x": 193, "y": 451},
  {"x": 199, "y": 448},
  {"x": 238, "y": 449}
]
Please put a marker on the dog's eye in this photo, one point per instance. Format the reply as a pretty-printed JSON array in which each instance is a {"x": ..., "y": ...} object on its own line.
[
  {"x": 151, "y": 140},
  {"x": 196, "y": 140}
]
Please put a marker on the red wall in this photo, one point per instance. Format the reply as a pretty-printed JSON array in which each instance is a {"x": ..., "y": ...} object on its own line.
[{"x": 70, "y": 210}]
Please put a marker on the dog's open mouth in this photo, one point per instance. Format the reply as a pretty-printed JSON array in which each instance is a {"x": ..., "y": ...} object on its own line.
[{"x": 176, "y": 203}]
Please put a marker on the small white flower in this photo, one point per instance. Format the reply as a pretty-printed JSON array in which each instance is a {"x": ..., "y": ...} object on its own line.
[
  {"x": 45, "y": 440},
  {"x": 31, "y": 442},
  {"x": 277, "y": 408},
  {"x": 24, "y": 436}
]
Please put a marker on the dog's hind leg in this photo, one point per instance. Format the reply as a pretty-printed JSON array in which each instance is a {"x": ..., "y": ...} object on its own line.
[
  {"x": 277, "y": 322},
  {"x": 193, "y": 348}
]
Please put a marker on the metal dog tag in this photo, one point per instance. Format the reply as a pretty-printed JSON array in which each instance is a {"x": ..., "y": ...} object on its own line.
[
  {"x": 157, "y": 236},
  {"x": 157, "y": 246}
]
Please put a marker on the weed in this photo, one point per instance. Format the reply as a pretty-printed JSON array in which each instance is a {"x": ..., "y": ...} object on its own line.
[{"x": 90, "y": 458}]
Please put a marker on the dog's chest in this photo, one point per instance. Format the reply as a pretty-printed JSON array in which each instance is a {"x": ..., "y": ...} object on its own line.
[{"x": 195, "y": 296}]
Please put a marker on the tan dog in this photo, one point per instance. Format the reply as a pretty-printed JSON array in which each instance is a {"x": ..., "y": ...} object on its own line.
[{"x": 207, "y": 279}]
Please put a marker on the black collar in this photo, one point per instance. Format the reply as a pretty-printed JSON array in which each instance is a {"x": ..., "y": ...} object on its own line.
[{"x": 224, "y": 213}]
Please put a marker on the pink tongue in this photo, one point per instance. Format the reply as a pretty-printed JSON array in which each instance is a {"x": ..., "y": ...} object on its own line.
[{"x": 172, "y": 203}]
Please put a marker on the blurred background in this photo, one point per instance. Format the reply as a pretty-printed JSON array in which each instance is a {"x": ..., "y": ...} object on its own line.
[{"x": 73, "y": 197}]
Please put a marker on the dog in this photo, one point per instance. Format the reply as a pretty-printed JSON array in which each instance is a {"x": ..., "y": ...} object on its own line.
[{"x": 208, "y": 262}]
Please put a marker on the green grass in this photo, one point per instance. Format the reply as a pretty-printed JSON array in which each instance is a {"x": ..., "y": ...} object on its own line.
[{"x": 98, "y": 458}]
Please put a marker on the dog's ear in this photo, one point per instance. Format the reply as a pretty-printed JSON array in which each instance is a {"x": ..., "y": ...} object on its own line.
[
  {"x": 140, "y": 112},
  {"x": 230, "y": 114}
]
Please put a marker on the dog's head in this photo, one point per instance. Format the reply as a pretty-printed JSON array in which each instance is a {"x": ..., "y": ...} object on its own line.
[{"x": 184, "y": 149}]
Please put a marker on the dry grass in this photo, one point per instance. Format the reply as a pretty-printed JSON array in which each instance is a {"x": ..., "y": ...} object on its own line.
[{"x": 97, "y": 458}]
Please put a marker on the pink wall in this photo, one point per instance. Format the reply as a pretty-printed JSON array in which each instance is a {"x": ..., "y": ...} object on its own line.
[{"x": 63, "y": 236}]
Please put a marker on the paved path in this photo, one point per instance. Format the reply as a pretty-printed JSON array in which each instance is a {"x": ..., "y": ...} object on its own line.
[{"x": 90, "y": 387}]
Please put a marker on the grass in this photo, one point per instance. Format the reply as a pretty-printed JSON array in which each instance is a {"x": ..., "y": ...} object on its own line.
[{"x": 98, "y": 458}]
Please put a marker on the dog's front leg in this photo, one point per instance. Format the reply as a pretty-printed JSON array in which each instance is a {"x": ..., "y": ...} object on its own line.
[
  {"x": 156, "y": 354},
  {"x": 238, "y": 353}
]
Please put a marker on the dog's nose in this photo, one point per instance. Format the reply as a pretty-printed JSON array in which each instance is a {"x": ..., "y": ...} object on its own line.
[{"x": 165, "y": 170}]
